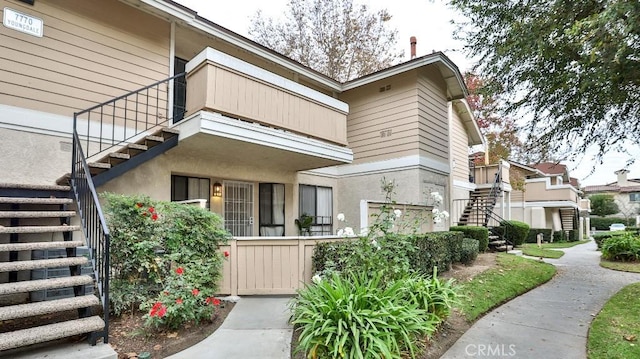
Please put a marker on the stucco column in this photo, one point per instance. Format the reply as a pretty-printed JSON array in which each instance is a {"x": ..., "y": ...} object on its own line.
[
  {"x": 581, "y": 229},
  {"x": 587, "y": 221}
]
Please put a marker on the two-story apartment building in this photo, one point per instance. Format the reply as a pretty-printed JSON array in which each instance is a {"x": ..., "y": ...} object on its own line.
[{"x": 150, "y": 98}]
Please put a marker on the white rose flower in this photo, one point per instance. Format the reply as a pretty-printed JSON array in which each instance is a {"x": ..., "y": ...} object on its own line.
[
  {"x": 397, "y": 213},
  {"x": 348, "y": 231},
  {"x": 316, "y": 279},
  {"x": 341, "y": 217},
  {"x": 445, "y": 214},
  {"x": 340, "y": 232}
]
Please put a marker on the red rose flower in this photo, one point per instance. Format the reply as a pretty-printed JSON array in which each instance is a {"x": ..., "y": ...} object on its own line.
[
  {"x": 216, "y": 301},
  {"x": 162, "y": 311},
  {"x": 151, "y": 209},
  {"x": 226, "y": 253},
  {"x": 195, "y": 291},
  {"x": 179, "y": 301},
  {"x": 179, "y": 270},
  {"x": 154, "y": 216},
  {"x": 139, "y": 205}
]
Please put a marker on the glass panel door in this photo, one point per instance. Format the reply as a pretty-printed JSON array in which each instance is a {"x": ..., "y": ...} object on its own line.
[{"x": 238, "y": 208}]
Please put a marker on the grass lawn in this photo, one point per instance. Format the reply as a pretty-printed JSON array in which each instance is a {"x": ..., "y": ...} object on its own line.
[
  {"x": 621, "y": 266},
  {"x": 531, "y": 249},
  {"x": 614, "y": 331},
  {"x": 511, "y": 277}
]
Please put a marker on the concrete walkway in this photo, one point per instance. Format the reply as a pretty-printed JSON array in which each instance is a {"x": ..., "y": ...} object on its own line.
[
  {"x": 257, "y": 327},
  {"x": 551, "y": 321}
]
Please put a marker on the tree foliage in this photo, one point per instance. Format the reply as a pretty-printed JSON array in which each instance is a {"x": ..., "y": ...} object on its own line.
[
  {"x": 500, "y": 132},
  {"x": 335, "y": 37},
  {"x": 574, "y": 66},
  {"x": 603, "y": 205}
]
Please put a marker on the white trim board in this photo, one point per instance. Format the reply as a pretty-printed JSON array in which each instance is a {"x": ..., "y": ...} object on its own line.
[
  {"x": 219, "y": 125},
  {"x": 464, "y": 185},
  {"x": 546, "y": 204},
  {"x": 384, "y": 166}
]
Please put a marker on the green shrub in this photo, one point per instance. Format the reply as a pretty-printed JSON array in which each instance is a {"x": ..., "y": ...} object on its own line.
[
  {"x": 516, "y": 232},
  {"x": 573, "y": 235},
  {"x": 623, "y": 248},
  {"x": 533, "y": 232},
  {"x": 432, "y": 250},
  {"x": 362, "y": 316},
  {"x": 635, "y": 230},
  {"x": 481, "y": 234},
  {"x": 602, "y": 224},
  {"x": 469, "y": 251},
  {"x": 559, "y": 236},
  {"x": 455, "y": 247},
  {"x": 601, "y": 237},
  {"x": 390, "y": 254},
  {"x": 150, "y": 240}
]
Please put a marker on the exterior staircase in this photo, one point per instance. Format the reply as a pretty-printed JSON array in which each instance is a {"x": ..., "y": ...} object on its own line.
[
  {"x": 114, "y": 164},
  {"x": 479, "y": 212},
  {"x": 568, "y": 218},
  {"x": 43, "y": 298}
]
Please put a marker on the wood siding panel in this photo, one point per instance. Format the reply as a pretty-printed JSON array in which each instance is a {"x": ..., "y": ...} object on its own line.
[
  {"x": 91, "y": 51},
  {"x": 241, "y": 96},
  {"x": 434, "y": 122},
  {"x": 459, "y": 148},
  {"x": 383, "y": 125}
]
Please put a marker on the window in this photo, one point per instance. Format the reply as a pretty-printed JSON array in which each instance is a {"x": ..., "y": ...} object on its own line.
[
  {"x": 317, "y": 202},
  {"x": 184, "y": 188},
  {"x": 634, "y": 197},
  {"x": 179, "y": 90},
  {"x": 271, "y": 209}
]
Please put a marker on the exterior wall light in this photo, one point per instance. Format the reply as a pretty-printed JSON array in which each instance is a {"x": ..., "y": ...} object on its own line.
[{"x": 217, "y": 189}]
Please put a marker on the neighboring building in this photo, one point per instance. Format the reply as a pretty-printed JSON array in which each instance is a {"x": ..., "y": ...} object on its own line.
[
  {"x": 625, "y": 192},
  {"x": 542, "y": 195}
]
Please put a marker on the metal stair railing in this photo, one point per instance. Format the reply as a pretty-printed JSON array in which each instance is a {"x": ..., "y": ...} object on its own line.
[{"x": 145, "y": 112}]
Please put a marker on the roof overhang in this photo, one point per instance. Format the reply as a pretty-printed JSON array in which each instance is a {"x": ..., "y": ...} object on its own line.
[
  {"x": 173, "y": 11},
  {"x": 466, "y": 116},
  {"x": 456, "y": 89}
]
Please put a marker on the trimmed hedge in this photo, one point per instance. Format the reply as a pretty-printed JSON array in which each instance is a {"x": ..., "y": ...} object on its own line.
[
  {"x": 421, "y": 252},
  {"x": 622, "y": 248},
  {"x": 435, "y": 250},
  {"x": 602, "y": 224},
  {"x": 533, "y": 232},
  {"x": 517, "y": 232},
  {"x": 469, "y": 251},
  {"x": 481, "y": 234},
  {"x": 601, "y": 237}
]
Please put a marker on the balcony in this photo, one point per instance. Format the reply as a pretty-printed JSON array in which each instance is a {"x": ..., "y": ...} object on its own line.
[
  {"x": 240, "y": 109},
  {"x": 541, "y": 190}
]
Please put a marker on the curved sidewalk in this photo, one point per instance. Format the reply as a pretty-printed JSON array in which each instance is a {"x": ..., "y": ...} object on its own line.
[
  {"x": 551, "y": 321},
  {"x": 257, "y": 327}
]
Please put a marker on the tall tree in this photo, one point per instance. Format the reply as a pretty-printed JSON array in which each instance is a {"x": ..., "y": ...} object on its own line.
[
  {"x": 500, "y": 132},
  {"x": 573, "y": 66},
  {"x": 603, "y": 205},
  {"x": 335, "y": 37}
]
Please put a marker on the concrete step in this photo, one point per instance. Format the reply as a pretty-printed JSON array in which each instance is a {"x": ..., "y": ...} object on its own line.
[
  {"x": 42, "y": 263},
  {"x": 29, "y": 200},
  {"x": 503, "y": 248},
  {"x": 497, "y": 243},
  {"x": 49, "y": 332},
  {"x": 51, "y": 283},
  {"x": 39, "y": 229},
  {"x": 47, "y": 307},
  {"x": 156, "y": 139},
  {"x": 30, "y": 246},
  {"x": 36, "y": 214},
  {"x": 38, "y": 187}
]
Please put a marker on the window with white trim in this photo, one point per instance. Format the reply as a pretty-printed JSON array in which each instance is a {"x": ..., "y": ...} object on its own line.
[{"x": 634, "y": 197}]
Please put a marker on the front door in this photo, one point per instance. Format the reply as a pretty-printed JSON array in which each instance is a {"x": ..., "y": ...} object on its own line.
[{"x": 238, "y": 208}]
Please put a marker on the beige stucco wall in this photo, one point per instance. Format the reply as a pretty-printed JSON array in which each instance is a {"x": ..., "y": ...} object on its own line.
[
  {"x": 32, "y": 158},
  {"x": 411, "y": 186}
]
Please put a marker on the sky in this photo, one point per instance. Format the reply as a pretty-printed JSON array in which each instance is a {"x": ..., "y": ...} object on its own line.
[{"x": 427, "y": 20}]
